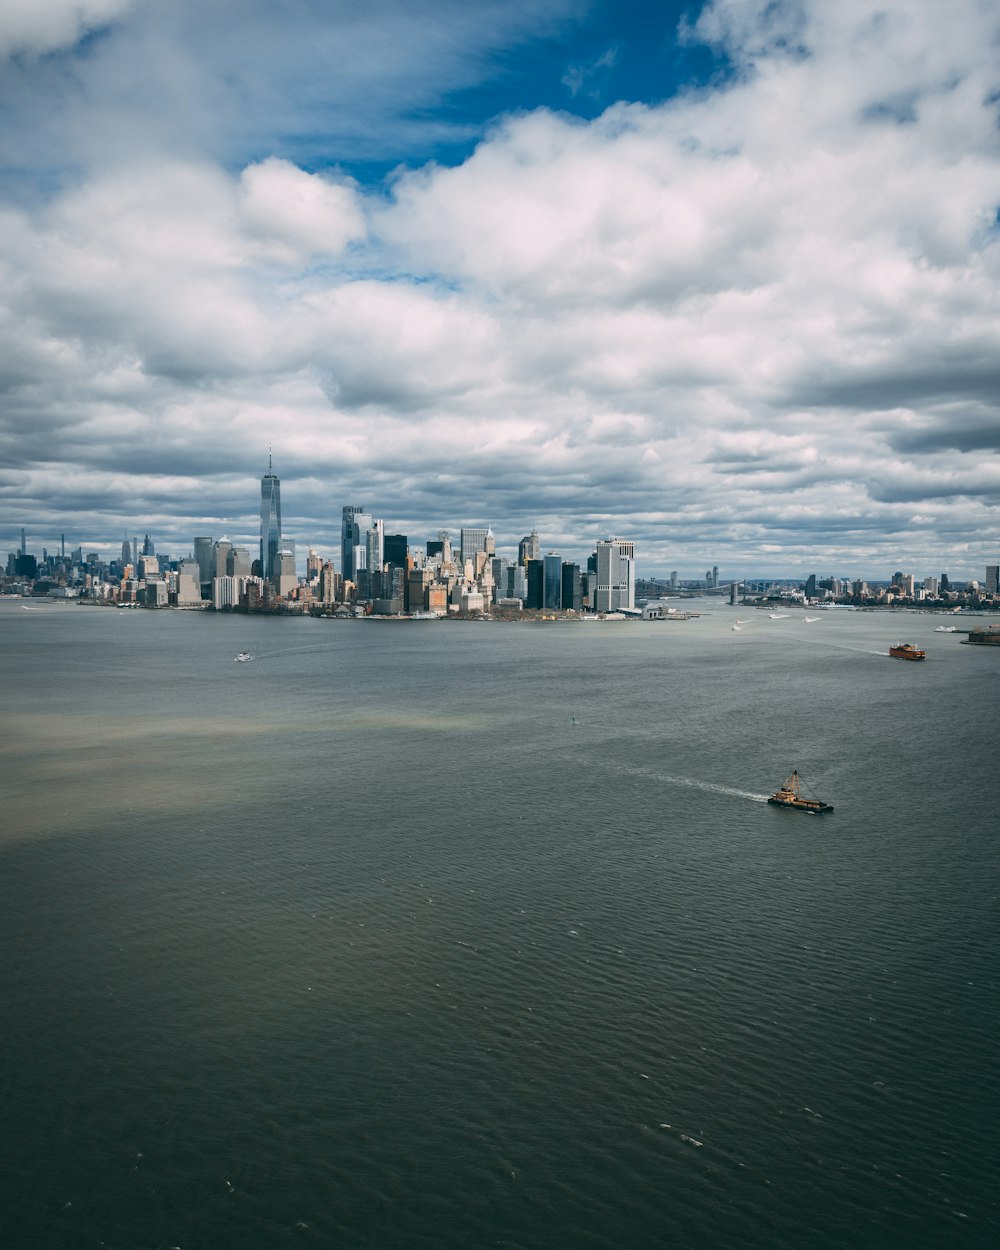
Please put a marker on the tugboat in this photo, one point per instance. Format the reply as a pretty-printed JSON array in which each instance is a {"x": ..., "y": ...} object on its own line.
[
  {"x": 790, "y": 795},
  {"x": 907, "y": 651}
]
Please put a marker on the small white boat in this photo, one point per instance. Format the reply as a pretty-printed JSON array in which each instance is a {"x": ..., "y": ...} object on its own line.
[
  {"x": 737, "y": 629},
  {"x": 778, "y": 616},
  {"x": 809, "y": 619},
  {"x": 946, "y": 629},
  {"x": 243, "y": 658}
]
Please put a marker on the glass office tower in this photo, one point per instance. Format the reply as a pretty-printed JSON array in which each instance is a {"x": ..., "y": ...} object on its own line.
[
  {"x": 270, "y": 525},
  {"x": 355, "y": 523}
]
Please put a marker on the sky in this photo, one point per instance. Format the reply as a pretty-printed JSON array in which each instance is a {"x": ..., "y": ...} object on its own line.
[{"x": 720, "y": 278}]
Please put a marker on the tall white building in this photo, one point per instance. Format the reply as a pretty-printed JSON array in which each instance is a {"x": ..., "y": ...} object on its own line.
[
  {"x": 615, "y": 576},
  {"x": 225, "y": 592}
]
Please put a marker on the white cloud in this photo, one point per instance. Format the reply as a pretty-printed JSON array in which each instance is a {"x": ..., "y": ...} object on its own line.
[
  {"x": 770, "y": 309},
  {"x": 39, "y": 26},
  {"x": 304, "y": 214}
]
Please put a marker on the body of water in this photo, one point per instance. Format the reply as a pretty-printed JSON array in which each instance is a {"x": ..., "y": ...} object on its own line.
[{"x": 437, "y": 934}]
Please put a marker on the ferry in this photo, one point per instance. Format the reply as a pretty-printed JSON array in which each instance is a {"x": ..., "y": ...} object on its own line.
[
  {"x": 790, "y": 795},
  {"x": 907, "y": 651}
]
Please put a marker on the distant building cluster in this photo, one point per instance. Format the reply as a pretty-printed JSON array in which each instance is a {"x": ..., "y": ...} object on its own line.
[
  {"x": 902, "y": 589},
  {"x": 386, "y": 575},
  {"x": 380, "y": 573}
]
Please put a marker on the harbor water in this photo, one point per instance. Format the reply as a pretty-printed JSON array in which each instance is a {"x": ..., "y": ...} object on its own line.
[{"x": 442, "y": 934}]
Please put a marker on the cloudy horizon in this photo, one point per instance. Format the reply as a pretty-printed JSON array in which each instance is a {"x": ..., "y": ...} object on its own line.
[{"x": 719, "y": 278}]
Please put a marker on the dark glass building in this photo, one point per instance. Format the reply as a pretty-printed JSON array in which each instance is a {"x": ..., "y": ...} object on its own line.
[
  {"x": 270, "y": 525},
  {"x": 395, "y": 549},
  {"x": 536, "y": 584},
  {"x": 572, "y": 588},
  {"x": 553, "y": 580}
]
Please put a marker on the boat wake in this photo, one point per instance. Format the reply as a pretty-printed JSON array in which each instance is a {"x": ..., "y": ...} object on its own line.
[
  {"x": 838, "y": 646},
  {"x": 693, "y": 783}
]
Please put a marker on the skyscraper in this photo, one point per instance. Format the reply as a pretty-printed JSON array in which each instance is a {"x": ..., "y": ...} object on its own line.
[
  {"x": 615, "y": 575},
  {"x": 204, "y": 553},
  {"x": 394, "y": 550},
  {"x": 285, "y": 579},
  {"x": 529, "y": 548},
  {"x": 572, "y": 587},
  {"x": 992, "y": 578},
  {"x": 270, "y": 524},
  {"x": 355, "y": 522},
  {"x": 220, "y": 554},
  {"x": 238, "y": 562},
  {"x": 472, "y": 541},
  {"x": 373, "y": 539},
  {"x": 552, "y": 592},
  {"x": 535, "y": 589}
]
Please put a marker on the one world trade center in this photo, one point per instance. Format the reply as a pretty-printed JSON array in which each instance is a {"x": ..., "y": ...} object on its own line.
[{"x": 270, "y": 525}]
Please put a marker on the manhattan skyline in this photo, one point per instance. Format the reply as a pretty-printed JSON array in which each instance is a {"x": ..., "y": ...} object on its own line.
[{"x": 723, "y": 277}]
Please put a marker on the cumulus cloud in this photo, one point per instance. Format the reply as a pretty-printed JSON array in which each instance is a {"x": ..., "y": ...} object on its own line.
[
  {"x": 304, "y": 214},
  {"x": 758, "y": 320}
]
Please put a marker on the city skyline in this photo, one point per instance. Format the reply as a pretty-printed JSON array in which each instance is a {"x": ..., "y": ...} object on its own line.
[
  {"x": 724, "y": 278},
  {"x": 360, "y": 529}
]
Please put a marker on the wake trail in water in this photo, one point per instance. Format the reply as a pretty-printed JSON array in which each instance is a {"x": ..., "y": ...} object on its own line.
[
  {"x": 693, "y": 783},
  {"x": 839, "y": 646},
  {"x": 314, "y": 649}
]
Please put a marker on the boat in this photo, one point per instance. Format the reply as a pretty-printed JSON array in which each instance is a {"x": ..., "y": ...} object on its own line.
[
  {"x": 790, "y": 795},
  {"x": 946, "y": 629},
  {"x": 907, "y": 651},
  {"x": 243, "y": 657},
  {"x": 810, "y": 620}
]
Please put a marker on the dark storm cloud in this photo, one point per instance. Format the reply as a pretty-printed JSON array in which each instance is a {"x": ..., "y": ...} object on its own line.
[
  {"x": 957, "y": 429},
  {"x": 968, "y": 375}
]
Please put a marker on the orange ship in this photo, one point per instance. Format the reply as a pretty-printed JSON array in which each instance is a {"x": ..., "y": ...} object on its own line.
[{"x": 907, "y": 651}]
